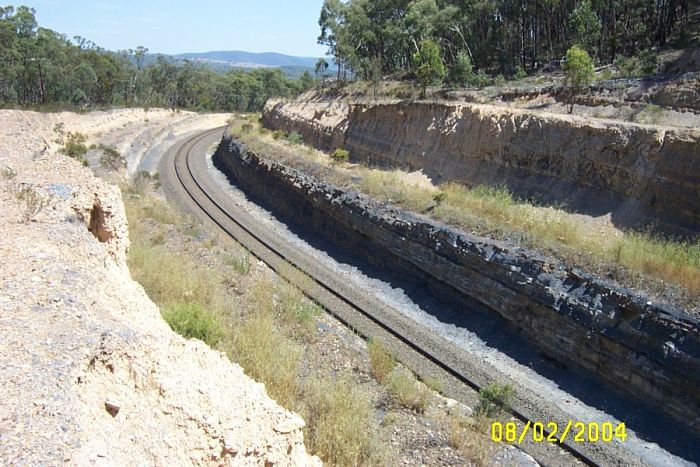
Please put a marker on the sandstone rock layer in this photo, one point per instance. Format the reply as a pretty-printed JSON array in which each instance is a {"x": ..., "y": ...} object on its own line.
[{"x": 640, "y": 174}]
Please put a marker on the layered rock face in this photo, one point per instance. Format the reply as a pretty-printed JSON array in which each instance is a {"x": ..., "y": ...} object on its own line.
[
  {"x": 651, "y": 351},
  {"x": 89, "y": 372},
  {"x": 639, "y": 173}
]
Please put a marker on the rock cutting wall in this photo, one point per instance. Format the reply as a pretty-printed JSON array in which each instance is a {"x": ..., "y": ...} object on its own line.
[
  {"x": 639, "y": 173},
  {"x": 649, "y": 350}
]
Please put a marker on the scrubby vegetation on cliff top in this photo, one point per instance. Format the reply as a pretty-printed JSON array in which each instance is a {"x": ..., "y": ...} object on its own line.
[
  {"x": 665, "y": 267},
  {"x": 506, "y": 37}
]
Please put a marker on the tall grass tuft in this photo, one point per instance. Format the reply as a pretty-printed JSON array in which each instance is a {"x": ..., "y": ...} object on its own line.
[
  {"x": 382, "y": 363},
  {"x": 339, "y": 430},
  {"x": 409, "y": 392}
]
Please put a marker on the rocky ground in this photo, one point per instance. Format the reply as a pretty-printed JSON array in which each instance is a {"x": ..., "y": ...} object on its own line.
[{"x": 90, "y": 373}]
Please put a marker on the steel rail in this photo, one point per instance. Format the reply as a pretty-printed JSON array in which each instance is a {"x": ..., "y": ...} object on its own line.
[{"x": 262, "y": 250}]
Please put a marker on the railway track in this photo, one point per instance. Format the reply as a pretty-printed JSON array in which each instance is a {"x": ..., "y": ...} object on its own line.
[{"x": 424, "y": 355}]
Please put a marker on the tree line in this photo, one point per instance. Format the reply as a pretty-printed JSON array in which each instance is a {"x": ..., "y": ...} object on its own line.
[
  {"x": 40, "y": 67},
  {"x": 496, "y": 36}
]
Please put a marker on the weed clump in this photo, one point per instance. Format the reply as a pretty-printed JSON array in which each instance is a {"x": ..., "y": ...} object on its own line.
[
  {"x": 408, "y": 391},
  {"x": 340, "y": 155},
  {"x": 651, "y": 113},
  {"x": 111, "y": 158},
  {"x": 75, "y": 147},
  {"x": 382, "y": 363},
  {"x": 31, "y": 202},
  {"x": 8, "y": 173},
  {"x": 295, "y": 137},
  {"x": 192, "y": 321},
  {"x": 240, "y": 263},
  {"x": 494, "y": 399}
]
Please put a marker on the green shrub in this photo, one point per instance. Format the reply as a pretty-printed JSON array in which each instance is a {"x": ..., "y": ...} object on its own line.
[
  {"x": 462, "y": 69},
  {"x": 193, "y": 322},
  {"x": 480, "y": 80},
  {"x": 246, "y": 128},
  {"x": 295, "y": 137},
  {"x": 499, "y": 80},
  {"x": 74, "y": 147},
  {"x": 648, "y": 62},
  {"x": 277, "y": 134},
  {"x": 428, "y": 65},
  {"x": 380, "y": 360},
  {"x": 519, "y": 73},
  {"x": 340, "y": 155},
  {"x": 628, "y": 67},
  {"x": 494, "y": 398}
]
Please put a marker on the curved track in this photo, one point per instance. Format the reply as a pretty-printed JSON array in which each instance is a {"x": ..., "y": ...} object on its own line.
[{"x": 424, "y": 353}]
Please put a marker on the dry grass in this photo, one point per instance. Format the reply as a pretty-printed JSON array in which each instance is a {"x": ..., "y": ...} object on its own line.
[
  {"x": 260, "y": 346},
  {"x": 399, "y": 382},
  {"x": 340, "y": 432},
  {"x": 382, "y": 363},
  {"x": 470, "y": 437},
  {"x": 494, "y": 211},
  {"x": 264, "y": 332},
  {"x": 408, "y": 391},
  {"x": 30, "y": 202}
]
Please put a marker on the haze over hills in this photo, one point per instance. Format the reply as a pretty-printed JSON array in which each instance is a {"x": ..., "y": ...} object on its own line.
[
  {"x": 249, "y": 59},
  {"x": 224, "y": 60}
]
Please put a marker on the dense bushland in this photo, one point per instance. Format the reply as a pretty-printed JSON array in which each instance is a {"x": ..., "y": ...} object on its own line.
[
  {"x": 44, "y": 69},
  {"x": 504, "y": 36}
]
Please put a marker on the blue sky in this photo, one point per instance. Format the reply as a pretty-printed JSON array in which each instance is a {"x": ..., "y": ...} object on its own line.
[{"x": 168, "y": 26}]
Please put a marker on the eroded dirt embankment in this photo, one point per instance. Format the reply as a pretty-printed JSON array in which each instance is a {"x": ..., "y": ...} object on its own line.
[
  {"x": 651, "y": 351},
  {"x": 641, "y": 174},
  {"x": 89, "y": 372}
]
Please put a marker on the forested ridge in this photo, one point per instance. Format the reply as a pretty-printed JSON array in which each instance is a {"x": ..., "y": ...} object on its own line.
[
  {"x": 43, "y": 68},
  {"x": 501, "y": 36}
]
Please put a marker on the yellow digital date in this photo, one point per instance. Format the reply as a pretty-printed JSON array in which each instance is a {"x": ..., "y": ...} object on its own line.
[{"x": 552, "y": 432}]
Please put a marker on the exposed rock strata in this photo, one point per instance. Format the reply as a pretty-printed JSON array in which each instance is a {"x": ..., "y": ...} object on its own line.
[
  {"x": 650, "y": 350},
  {"x": 89, "y": 372},
  {"x": 640, "y": 173}
]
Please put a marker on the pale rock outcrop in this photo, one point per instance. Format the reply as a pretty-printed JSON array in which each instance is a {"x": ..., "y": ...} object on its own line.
[
  {"x": 90, "y": 374},
  {"x": 641, "y": 174}
]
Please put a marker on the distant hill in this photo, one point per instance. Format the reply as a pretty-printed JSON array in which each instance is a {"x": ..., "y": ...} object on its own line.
[
  {"x": 222, "y": 61},
  {"x": 250, "y": 60}
]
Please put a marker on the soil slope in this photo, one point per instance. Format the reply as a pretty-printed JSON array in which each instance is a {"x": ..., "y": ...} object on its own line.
[{"x": 90, "y": 374}]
